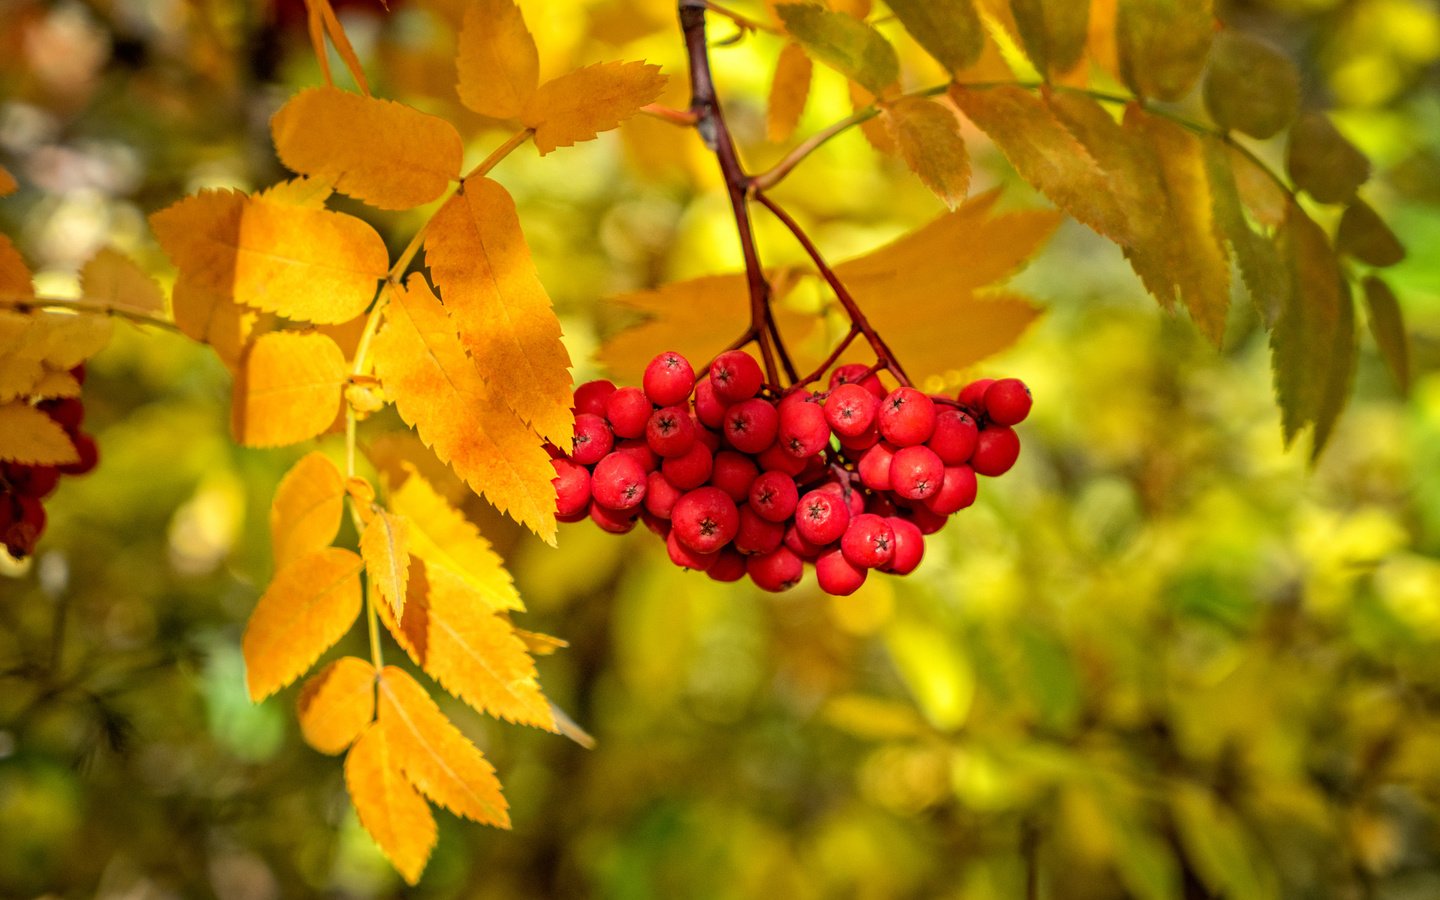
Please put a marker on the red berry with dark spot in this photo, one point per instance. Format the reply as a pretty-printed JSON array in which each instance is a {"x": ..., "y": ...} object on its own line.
[
  {"x": 861, "y": 442},
  {"x": 858, "y": 373},
  {"x": 773, "y": 496},
  {"x": 671, "y": 431},
  {"x": 868, "y": 542},
  {"x": 957, "y": 491},
  {"x": 590, "y": 397},
  {"x": 954, "y": 437},
  {"x": 750, "y": 425},
  {"x": 996, "y": 451},
  {"x": 837, "y": 575},
  {"x": 709, "y": 409},
  {"x": 927, "y": 521},
  {"x": 628, "y": 411},
  {"x": 593, "y": 440},
  {"x": 661, "y": 495},
  {"x": 705, "y": 519},
  {"x": 572, "y": 487},
  {"x": 804, "y": 431},
  {"x": 668, "y": 379},
  {"x": 736, "y": 376},
  {"x": 850, "y": 410},
  {"x": 916, "y": 472},
  {"x": 618, "y": 482},
  {"x": 690, "y": 469},
  {"x": 1007, "y": 401},
  {"x": 821, "y": 517},
  {"x": 777, "y": 571},
  {"x": 906, "y": 417},
  {"x": 686, "y": 558},
  {"x": 854, "y": 501},
  {"x": 733, "y": 473},
  {"x": 909, "y": 546}
]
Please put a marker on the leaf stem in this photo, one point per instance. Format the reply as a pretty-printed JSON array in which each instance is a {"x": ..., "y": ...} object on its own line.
[
  {"x": 744, "y": 23},
  {"x": 832, "y": 359},
  {"x": 683, "y": 117},
  {"x": 28, "y": 303},
  {"x": 500, "y": 152}
]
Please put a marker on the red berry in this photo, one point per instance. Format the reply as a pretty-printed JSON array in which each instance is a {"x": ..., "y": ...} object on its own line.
[
  {"x": 756, "y": 533},
  {"x": 89, "y": 455},
  {"x": 972, "y": 396},
  {"x": 628, "y": 411},
  {"x": 803, "y": 429},
  {"x": 1007, "y": 401},
  {"x": 799, "y": 546},
  {"x": 858, "y": 373},
  {"x": 690, "y": 469},
  {"x": 850, "y": 410},
  {"x": 777, "y": 571},
  {"x": 860, "y": 442},
  {"x": 906, "y": 417},
  {"x": 909, "y": 546},
  {"x": 733, "y": 473},
  {"x": 572, "y": 487},
  {"x": 821, "y": 517},
  {"x": 705, "y": 519},
  {"x": 615, "y": 521},
  {"x": 660, "y": 495},
  {"x": 736, "y": 376},
  {"x": 750, "y": 425},
  {"x": 67, "y": 412},
  {"x": 854, "y": 501},
  {"x": 773, "y": 496},
  {"x": 640, "y": 450},
  {"x": 729, "y": 566},
  {"x": 954, "y": 437},
  {"x": 686, "y": 558},
  {"x": 593, "y": 440},
  {"x": 776, "y": 459},
  {"x": 996, "y": 451},
  {"x": 709, "y": 409},
  {"x": 671, "y": 431},
  {"x": 874, "y": 467},
  {"x": 837, "y": 575},
  {"x": 580, "y": 516},
  {"x": 957, "y": 491},
  {"x": 926, "y": 520},
  {"x": 78, "y": 373},
  {"x": 619, "y": 482},
  {"x": 880, "y": 504},
  {"x": 668, "y": 379},
  {"x": 590, "y": 397},
  {"x": 916, "y": 472},
  {"x": 656, "y": 524},
  {"x": 869, "y": 541}
]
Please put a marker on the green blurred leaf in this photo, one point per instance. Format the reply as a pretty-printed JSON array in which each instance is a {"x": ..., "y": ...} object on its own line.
[
  {"x": 1365, "y": 236},
  {"x": 1322, "y": 162},
  {"x": 949, "y": 30},
  {"x": 1053, "y": 32},
  {"x": 1387, "y": 324},
  {"x": 1256, "y": 254},
  {"x": 1163, "y": 45},
  {"x": 844, "y": 43}
]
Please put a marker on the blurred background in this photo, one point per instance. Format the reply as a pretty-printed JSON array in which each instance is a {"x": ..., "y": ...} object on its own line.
[{"x": 1163, "y": 658}]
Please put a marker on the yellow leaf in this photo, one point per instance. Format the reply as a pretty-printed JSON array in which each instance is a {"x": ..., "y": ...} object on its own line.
[
  {"x": 435, "y": 756},
  {"x": 305, "y": 515},
  {"x": 7, "y": 183},
  {"x": 540, "y": 644},
  {"x": 1053, "y": 32},
  {"x": 437, "y": 390},
  {"x": 928, "y": 136},
  {"x": 442, "y": 536},
  {"x": 843, "y": 42},
  {"x": 788, "y": 93},
  {"x": 874, "y": 130},
  {"x": 497, "y": 61},
  {"x": 342, "y": 43},
  {"x": 27, "y": 435},
  {"x": 394, "y": 813},
  {"x": 113, "y": 278},
  {"x": 452, "y": 634},
  {"x": 336, "y": 703},
  {"x": 302, "y": 191},
  {"x": 1163, "y": 44},
  {"x": 949, "y": 30},
  {"x": 385, "y": 153},
  {"x": 307, "y": 608},
  {"x": 55, "y": 384},
  {"x": 14, "y": 274},
  {"x": 383, "y": 544},
  {"x": 289, "y": 389},
  {"x": 482, "y": 266},
  {"x": 578, "y": 106},
  {"x": 36, "y": 345}
]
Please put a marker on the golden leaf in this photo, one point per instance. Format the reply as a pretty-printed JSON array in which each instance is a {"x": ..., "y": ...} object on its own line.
[
  {"x": 29, "y": 436},
  {"x": 873, "y": 130},
  {"x": 394, "y": 813},
  {"x": 928, "y": 137},
  {"x": 305, "y": 515},
  {"x": 7, "y": 183},
  {"x": 289, "y": 389},
  {"x": 540, "y": 644},
  {"x": 497, "y": 61},
  {"x": 55, "y": 384},
  {"x": 385, "y": 153},
  {"x": 579, "y": 105},
  {"x": 383, "y": 545},
  {"x": 336, "y": 703},
  {"x": 1256, "y": 255},
  {"x": 306, "y": 609},
  {"x": 35, "y": 346},
  {"x": 452, "y": 634},
  {"x": 788, "y": 92},
  {"x": 442, "y": 536},
  {"x": 480, "y": 263},
  {"x": 302, "y": 191},
  {"x": 114, "y": 279},
  {"x": 14, "y": 274},
  {"x": 844, "y": 43},
  {"x": 438, "y": 391},
  {"x": 435, "y": 756}
]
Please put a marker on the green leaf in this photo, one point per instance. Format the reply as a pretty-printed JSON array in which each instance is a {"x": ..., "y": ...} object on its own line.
[
  {"x": 949, "y": 30},
  {"x": 928, "y": 135},
  {"x": 1365, "y": 236},
  {"x": 1163, "y": 44},
  {"x": 1251, "y": 86},
  {"x": 1313, "y": 342},
  {"x": 1388, "y": 327},
  {"x": 846, "y": 44},
  {"x": 1322, "y": 162},
  {"x": 1053, "y": 32}
]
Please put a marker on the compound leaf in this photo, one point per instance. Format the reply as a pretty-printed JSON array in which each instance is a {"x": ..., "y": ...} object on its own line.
[{"x": 390, "y": 809}]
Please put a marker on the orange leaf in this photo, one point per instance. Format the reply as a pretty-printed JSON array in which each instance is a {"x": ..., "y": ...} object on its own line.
[
  {"x": 305, "y": 515},
  {"x": 928, "y": 137},
  {"x": 35, "y": 347},
  {"x": 435, "y": 756},
  {"x": 388, "y": 154},
  {"x": 497, "y": 61},
  {"x": 27, "y": 435},
  {"x": 289, "y": 389},
  {"x": 336, "y": 703},
  {"x": 394, "y": 813},
  {"x": 14, "y": 274},
  {"x": 482, "y": 267},
  {"x": 451, "y": 634},
  {"x": 442, "y": 536},
  {"x": 113, "y": 278},
  {"x": 438, "y": 390},
  {"x": 383, "y": 544},
  {"x": 306, "y": 609},
  {"x": 578, "y": 106},
  {"x": 788, "y": 92},
  {"x": 7, "y": 183}
]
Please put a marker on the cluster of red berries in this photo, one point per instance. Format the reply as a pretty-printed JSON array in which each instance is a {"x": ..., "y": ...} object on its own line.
[
  {"x": 738, "y": 483},
  {"x": 23, "y": 487}
]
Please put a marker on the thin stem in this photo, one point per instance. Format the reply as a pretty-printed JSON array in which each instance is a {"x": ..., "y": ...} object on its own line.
[
  {"x": 683, "y": 117},
  {"x": 830, "y": 360},
  {"x": 24, "y": 303},
  {"x": 744, "y": 23},
  {"x": 502, "y": 151},
  {"x": 857, "y": 318}
]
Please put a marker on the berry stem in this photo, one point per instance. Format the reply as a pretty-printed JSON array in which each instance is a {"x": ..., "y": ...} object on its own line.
[
  {"x": 830, "y": 360},
  {"x": 883, "y": 354},
  {"x": 27, "y": 303}
]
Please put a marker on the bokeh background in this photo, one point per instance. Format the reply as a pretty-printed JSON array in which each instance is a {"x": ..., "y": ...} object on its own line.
[{"x": 1163, "y": 658}]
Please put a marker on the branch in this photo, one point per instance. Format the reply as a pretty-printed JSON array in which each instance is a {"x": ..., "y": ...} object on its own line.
[{"x": 25, "y": 303}]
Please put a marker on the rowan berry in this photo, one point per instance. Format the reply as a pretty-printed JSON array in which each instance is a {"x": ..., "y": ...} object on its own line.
[
  {"x": 777, "y": 571},
  {"x": 729, "y": 566},
  {"x": 858, "y": 373},
  {"x": 615, "y": 521},
  {"x": 954, "y": 437},
  {"x": 916, "y": 472},
  {"x": 640, "y": 450},
  {"x": 821, "y": 517},
  {"x": 668, "y": 379},
  {"x": 799, "y": 546},
  {"x": 67, "y": 412},
  {"x": 733, "y": 473},
  {"x": 906, "y": 417},
  {"x": 850, "y": 409},
  {"x": 660, "y": 495},
  {"x": 837, "y": 575},
  {"x": 593, "y": 439},
  {"x": 691, "y": 468},
  {"x": 590, "y": 397},
  {"x": 874, "y": 467},
  {"x": 736, "y": 376},
  {"x": 628, "y": 411},
  {"x": 670, "y": 431},
  {"x": 1007, "y": 401},
  {"x": 757, "y": 534},
  {"x": 705, "y": 519},
  {"x": 709, "y": 408},
  {"x": 686, "y": 558},
  {"x": 776, "y": 459},
  {"x": 868, "y": 542},
  {"x": 773, "y": 496},
  {"x": 909, "y": 546},
  {"x": 618, "y": 482},
  {"x": 750, "y": 425},
  {"x": 996, "y": 451},
  {"x": 972, "y": 396},
  {"x": 957, "y": 491},
  {"x": 803, "y": 429},
  {"x": 572, "y": 487}
]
